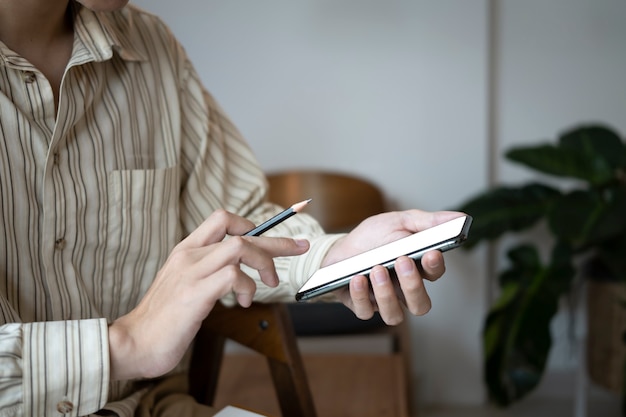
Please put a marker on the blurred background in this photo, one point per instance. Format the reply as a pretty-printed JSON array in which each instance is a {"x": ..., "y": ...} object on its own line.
[{"x": 420, "y": 97}]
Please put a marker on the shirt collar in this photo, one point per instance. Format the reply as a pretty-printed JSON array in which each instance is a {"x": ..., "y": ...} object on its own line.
[
  {"x": 96, "y": 37},
  {"x": 99, "y": 35}
]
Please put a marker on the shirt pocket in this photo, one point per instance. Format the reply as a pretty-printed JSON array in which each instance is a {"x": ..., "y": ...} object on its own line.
[{"x": 142, "y": 229}]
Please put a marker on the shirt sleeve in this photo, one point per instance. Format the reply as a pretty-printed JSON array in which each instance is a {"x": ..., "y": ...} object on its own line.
[{"x": 53, "y": 368}]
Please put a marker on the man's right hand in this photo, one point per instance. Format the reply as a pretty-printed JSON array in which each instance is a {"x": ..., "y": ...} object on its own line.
[{"x": 150, "y": 340}]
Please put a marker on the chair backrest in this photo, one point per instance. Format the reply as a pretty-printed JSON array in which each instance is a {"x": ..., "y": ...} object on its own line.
[{"x": 340, "y": 201}]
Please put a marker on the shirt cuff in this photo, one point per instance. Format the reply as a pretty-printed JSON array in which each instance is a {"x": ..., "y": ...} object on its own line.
[
  {"x": 302, "y": 267},
  {"x": 65, "y": 367},
  {"x": 294, "y": 271},
  {"x": 11, "y": 369}
]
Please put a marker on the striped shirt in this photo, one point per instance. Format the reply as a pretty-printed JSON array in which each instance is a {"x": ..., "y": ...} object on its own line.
[{"x": 94, "y": 198}]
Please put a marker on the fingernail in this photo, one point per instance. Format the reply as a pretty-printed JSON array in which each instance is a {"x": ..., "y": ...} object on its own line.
[
  {"x": 433, "y": 262},
  {"x": 404, "y": 266},
  {"x": 359, "y": 284},
  {"x": 379, "y": 275},
  {"x": 302, "y": 242},
  {"x": 244, "y": 300},
  {"x": 273, "y": 282}
]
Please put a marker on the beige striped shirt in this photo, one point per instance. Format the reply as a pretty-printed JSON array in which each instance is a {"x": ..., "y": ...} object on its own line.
[{"x": 94, "y": 198}]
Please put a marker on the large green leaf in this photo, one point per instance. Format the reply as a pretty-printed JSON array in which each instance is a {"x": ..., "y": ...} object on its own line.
[
  {"x": 590, "y": 153},
  {"x": 587, "y": 218},
  {"x": 517, "y": 336},
  {"x": 506, "y": 209},
  {"x": 599, "y": 143},
  {"x": 562, "y": 162},
  {"x": 612, "y": 221},
  {"x": 562, "y": 269},
  {"x": 574, "y": 215}
]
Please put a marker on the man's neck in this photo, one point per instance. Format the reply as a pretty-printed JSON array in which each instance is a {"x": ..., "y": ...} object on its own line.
[
  {"x": 33, "y": 25},
  {"x": 40, "y": 31}
]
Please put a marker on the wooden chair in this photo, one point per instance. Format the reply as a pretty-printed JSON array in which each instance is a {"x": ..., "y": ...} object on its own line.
[{"x": 340, "y": 202}]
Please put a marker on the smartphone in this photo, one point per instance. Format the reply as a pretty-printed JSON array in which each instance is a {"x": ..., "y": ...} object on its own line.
[{"x": 443, "y": 237}]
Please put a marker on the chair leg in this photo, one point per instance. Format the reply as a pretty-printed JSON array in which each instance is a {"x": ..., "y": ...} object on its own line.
[
  {"x": 207, "y": 360},
  {"x": 292, "y": 390},
  {"x": 403, "y": 348},
  {"x": 288, "y": 373},
  {"x": 265, "y": 328}
]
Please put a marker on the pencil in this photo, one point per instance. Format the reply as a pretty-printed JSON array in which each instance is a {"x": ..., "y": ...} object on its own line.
[{"x": 279, "y": 218}]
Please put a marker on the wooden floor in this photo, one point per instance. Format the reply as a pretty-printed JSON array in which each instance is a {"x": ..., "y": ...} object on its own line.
[{"x": 343, "y": 385}]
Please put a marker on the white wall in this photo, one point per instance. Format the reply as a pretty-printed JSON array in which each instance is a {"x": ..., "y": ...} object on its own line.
[{"x": 396, "y": 91}]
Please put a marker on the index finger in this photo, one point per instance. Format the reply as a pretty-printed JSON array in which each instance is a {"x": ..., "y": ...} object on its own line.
[
  {"x": 255, "y": 252},
  {"x": 215, "y": 228}
]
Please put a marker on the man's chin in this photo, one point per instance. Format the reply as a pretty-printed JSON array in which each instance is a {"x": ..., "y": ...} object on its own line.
[{"x": 103, "y": 5}]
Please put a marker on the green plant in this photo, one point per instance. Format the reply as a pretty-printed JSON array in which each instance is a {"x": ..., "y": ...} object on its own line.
[{"x": 586, "y": 217}]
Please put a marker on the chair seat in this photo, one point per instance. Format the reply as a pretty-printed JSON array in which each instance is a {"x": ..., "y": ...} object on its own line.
[{"x": 325, "y": 319}]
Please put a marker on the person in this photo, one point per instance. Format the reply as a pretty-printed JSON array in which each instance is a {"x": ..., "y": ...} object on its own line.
[{"x": 125, "y": 192}]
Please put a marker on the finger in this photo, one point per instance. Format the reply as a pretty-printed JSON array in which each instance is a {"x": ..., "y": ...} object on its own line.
[
  {"x": 412, "y": 286},
  {"x": 279, "y": 246},
  {"x": 255, "y": 252},
  {"x": 360, "y": 298},
  {"x": 433, "y": 265},
  {"x": 219, "y": 224},
  {"x": 267, "y": 248},
  {"x": 385, "y": 295},
  {"x": 238, "y": 250},
  {"x": 230, "y": 279}
]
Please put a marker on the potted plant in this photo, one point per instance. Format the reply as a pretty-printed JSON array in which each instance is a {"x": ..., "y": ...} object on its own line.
[{"x": 586, "y": 220}]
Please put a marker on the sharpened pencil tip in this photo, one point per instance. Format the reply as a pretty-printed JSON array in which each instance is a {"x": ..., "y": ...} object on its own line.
[{"x": 299, "y": 206}]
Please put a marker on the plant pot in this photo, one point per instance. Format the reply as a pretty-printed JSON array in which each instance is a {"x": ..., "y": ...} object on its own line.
[{"x": 606, "y": 323}]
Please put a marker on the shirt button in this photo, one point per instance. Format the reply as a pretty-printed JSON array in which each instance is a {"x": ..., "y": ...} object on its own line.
[
  {"x": 29, "y": 77},
  {"x": 65, "y": 406},
  {"x": 59, "y": 244}
]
